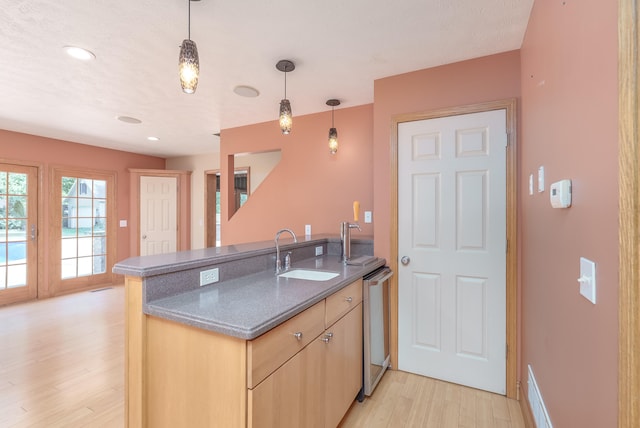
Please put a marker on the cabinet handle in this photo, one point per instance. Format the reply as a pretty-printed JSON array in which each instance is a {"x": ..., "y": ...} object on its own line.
[
  {"x": 327, "y": 337},
  {"x": 298, "y": 335},
  {"x": 349, "y": 299}
]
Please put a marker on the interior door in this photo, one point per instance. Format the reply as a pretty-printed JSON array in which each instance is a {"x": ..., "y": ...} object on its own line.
[
  {"x": 452, "y": 244},
  {"x": 18, "y": 233},
  {"x": 158, "y": 215}
]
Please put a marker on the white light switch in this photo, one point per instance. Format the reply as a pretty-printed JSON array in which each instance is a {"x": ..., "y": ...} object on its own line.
[
  {"x": 367, "y": 216},
  {"x": 123, "y": 223},
  {"x": 587, "y": 279},
  {"x": 530, "y": 184},
  {"x": 541, "y": 179}
]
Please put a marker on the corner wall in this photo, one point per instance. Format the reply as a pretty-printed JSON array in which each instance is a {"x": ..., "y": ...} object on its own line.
[
  {"x": 47, "y": 152},
  {"x": 490, "y": 78},
  {"x": 309, "y": 185},
  {"x": 570, "y": 126}
]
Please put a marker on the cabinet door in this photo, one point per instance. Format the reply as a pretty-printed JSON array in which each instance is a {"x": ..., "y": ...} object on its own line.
[
  {"x": 343, "y": 365},
  {"x": 293, "y": 395}
]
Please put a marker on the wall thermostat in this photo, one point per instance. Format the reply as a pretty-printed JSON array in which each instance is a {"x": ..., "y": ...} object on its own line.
[{"x": 560, "y": 194}]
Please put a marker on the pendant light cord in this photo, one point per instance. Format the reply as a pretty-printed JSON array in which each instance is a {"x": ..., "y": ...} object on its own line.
[
  {"x": 189, "y": 20},
  {"x": 285, "y": 83},
  {"x": 332, "y": 117}
]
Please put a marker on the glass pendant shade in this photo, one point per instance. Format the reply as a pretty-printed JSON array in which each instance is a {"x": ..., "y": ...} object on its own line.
[
  {"x": 189, "y": 66},
  {"x": 333, "y": 132},
  {"x": 286, "y": 118},
  {"x": 333, "y": 141}
]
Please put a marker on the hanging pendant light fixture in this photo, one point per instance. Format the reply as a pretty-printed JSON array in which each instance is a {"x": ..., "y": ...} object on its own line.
[
  {"x": 333, "y": 132},
  {"x": 286, "y": 118},
  {"x": 189, "y": 64}
]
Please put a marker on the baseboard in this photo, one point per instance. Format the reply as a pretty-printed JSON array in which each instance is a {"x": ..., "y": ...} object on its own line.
[{"x": 524, "y": 407}]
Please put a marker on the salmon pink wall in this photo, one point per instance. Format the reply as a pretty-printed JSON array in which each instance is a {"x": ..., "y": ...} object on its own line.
[
  {"x": 46, "y": 152},
  {"x": 569, "y": 103},
  {"x": 490, "y": 78},
  {"x": 309, "y": 185}
]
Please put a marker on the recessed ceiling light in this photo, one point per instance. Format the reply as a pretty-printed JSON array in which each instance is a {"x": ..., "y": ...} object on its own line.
[
  {"x": 246, "y": 91},
  {"x": 153, "y": 138},
  {"x": 79, "y": 53},
  {"x": 128, "y": 119}
]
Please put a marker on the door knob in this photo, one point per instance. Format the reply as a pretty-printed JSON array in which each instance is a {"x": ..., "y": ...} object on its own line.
[{"x": 405, "y": 260}]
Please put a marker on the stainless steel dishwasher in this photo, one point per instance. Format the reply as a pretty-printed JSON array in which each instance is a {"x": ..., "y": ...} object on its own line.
[{"x": 375, "y": 295}]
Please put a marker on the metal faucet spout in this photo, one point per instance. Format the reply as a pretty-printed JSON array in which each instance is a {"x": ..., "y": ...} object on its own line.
[
  {"x": 345, "y": 237},
  {"x": 278, "y": 261}
]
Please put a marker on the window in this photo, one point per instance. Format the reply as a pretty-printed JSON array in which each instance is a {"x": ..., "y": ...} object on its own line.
[{"x": 84, "y": 222}]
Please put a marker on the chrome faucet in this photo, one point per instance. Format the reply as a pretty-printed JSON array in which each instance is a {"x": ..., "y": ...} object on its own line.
[
  {"x": 287, "y": 259},
  {"x": 345, "y": 237}
]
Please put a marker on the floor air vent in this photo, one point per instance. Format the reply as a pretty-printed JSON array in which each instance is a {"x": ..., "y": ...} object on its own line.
[
  {"x": 100, "y": 289},
  {"x": 540, "y": 415}
]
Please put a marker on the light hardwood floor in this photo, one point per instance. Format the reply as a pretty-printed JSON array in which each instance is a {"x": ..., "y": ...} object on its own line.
[
  {"x": 62, "y": 361},
  {"x": 62, "y": 365},
  {"x": 407, "y": 400}
]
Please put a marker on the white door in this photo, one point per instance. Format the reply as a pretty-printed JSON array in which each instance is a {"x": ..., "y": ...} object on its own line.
[
  {"x": 158, "y": 215},
  {"x": 452, "y": 231}
]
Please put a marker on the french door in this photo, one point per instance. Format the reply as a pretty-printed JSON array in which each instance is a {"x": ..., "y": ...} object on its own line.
[
  {"x": 82, "y": 230},
  {"x": 18, "y": 233}
]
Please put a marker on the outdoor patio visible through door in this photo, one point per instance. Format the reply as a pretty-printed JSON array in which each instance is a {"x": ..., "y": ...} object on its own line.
[{"x": 18, "y": 233}]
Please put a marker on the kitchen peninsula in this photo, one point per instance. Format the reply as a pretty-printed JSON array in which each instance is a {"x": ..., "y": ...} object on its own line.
[{"x": 251, "y": 349}]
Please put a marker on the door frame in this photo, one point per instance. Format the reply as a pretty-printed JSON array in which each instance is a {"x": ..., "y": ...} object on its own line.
[
  {"x": 57, "y": 285},
  {"x": 209, "y": 230},
  {"x": 183, "y": 215},
  {"x": 42, "y": 290},
  {"x": 629, "y": 216},
  {"x": 511, "y": 227}
]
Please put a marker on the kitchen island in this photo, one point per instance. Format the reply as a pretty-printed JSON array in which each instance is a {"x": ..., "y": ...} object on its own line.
[{"x": 252, "y": 349}]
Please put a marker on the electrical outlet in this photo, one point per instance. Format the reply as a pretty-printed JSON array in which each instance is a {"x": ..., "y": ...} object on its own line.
[
  {"x": 209, "y": 276},
  {"x": 319, "y": 251},
  {"x": 367, "y": 216},
  {"x": 307, "y": 229}
]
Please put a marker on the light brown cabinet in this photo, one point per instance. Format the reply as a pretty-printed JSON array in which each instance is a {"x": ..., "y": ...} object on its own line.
[
  {"x": 305, "y": 372},
  {"x": 316, "y": 387}
]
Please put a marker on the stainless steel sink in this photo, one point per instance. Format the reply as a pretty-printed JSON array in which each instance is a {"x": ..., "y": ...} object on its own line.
[{"x": 309, "y": 274}]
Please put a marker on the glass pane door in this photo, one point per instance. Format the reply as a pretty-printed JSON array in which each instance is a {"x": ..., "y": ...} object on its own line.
[
  {"x": 83, "y": 243},
  {"x": 84, "y": 240},
  {"x": 18, "y": 233}
]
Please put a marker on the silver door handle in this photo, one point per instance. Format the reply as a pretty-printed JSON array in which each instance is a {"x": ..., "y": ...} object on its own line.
[{"x": 405, "y": 260}]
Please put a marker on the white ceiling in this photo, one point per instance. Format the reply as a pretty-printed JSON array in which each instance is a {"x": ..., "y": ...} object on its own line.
[{"x": 339, "y": 48}]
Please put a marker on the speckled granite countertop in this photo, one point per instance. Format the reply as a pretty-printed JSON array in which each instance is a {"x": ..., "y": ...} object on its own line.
[
  {"x": 249, "y": 306},
  {"x": 249, "y": 299}
]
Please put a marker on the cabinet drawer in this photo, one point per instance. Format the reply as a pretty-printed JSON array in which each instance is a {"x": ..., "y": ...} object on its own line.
[
  {"x": 343, "y": 301},
  {"x": 269, "y": 351}
]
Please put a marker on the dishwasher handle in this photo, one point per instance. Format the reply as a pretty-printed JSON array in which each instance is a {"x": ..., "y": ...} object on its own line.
[{"x": 379, "y": 277}]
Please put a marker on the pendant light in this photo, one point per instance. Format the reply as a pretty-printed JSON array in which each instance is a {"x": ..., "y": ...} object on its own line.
[
  {"x": 333, "y": 132},
  {"x": 189, "y": 64},
  {"x": 286, "y": 118}
]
